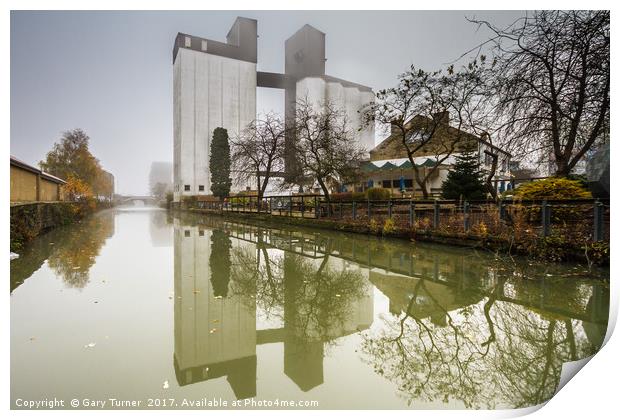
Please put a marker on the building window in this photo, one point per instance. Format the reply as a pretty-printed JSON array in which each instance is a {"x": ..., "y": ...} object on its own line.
[
  {"x": 386, "y": 183},
  {"x": 201, "y": 233},
  {"x": 187, "y": 233},
  {"x": 186, "y": 187},
  {"x": 188, "y": 42},
  {"x": 203, "y": 46},
  {"x": 201, "y": 188}
]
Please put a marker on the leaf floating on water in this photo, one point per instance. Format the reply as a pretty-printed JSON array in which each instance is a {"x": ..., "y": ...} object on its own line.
[
  {"x": 32, "y": 338},
  {"x": 215, "y": 321},
  {"x": 337, "y": 295},
  {"x": 217, "y": 297},
  {"x": 196, "y": 291},
  {"x": 90, "y": 345},
  {"x": 549, "y": 275},
  {"x": 166, "y": 385},
  {"x": 96, "y": 301},
  {"x": 207, "y": 369},
  {"x": 213, "y": 330},
  {"x": 76, "y": 268}
]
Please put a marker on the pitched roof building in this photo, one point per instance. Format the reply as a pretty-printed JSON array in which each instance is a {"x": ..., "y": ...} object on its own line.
[{"x": 435, "y": 144}]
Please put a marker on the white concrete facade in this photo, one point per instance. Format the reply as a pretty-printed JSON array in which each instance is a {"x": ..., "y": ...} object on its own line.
[
  {"x": 344, "y": 96},
  {"x": 209, "y": 91}
]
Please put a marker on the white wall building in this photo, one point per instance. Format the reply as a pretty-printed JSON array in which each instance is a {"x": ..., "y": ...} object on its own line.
[
  {"x": 346, "y": 96},
  {"x": 214, "y": 86}
]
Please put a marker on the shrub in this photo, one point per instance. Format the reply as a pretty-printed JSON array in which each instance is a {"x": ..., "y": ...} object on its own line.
[
  {"x": 389, "y": 226},
  {"x": 373, "y": 226},
  {"x": 551, "y": 189},
  {"x": 378, "y": 193},
  {"x": 342, "y": 196},
  {"x": 190, "y": 201}
]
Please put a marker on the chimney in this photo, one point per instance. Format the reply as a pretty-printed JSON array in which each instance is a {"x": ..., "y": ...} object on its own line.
[{"x": 442, "y": 117}]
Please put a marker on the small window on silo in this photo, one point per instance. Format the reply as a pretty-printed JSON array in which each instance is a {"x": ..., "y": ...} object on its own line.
[{"x": 188, "y": 42}]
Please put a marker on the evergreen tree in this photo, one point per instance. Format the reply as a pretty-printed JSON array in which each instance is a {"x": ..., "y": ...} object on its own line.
[
  {"x": 219, "y": 163},
  {"x": 464, "y": 180}
]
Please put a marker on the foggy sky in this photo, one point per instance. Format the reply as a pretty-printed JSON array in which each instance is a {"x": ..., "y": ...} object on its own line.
[{"x": 110, "y": 73}]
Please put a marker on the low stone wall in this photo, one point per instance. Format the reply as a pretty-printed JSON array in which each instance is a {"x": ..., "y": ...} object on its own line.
[{"x": 29, "y": 220}]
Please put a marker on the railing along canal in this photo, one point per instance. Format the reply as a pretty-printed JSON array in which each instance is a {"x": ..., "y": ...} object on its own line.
[{"x": 585, "y": 217}]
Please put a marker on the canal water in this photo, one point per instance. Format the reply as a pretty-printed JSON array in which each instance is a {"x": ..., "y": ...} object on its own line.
[{"x": 177, "y": 311}]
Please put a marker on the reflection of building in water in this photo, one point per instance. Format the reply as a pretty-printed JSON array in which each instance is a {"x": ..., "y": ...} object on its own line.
[
  {"x": 308, "y": 324},
  {"x": 160, "y": 230},
  {"x": 422, "y": 299},
  {"x": 214, "y": 336}
]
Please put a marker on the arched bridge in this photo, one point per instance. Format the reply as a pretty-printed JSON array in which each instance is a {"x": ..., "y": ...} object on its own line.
[{"x": 137, "y": 199}]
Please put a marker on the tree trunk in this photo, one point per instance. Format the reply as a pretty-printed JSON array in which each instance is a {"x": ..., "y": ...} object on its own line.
[
  {"x": 421, "y": 183},
  {"x": 324, "y": 188},
  {"x": 489, "y": 183},
  {"x": 561, "y": 164}
]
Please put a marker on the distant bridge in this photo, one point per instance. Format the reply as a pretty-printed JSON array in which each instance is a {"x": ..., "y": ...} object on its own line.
[{"x": 135, "y": 199}]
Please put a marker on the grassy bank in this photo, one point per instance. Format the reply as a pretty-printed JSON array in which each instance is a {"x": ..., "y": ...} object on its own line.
[{"x": 555, "y": 248}]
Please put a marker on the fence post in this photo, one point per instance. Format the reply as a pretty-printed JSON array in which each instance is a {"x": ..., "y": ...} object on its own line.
[
  {"x": 546, "y": 218},
  {"x": 436, "y": 215},
  {"x": 598, "y": 221},
  {"x": 353, "y": 210},
  {"x": 502, "y": 210},
  {"x": 317, "y": 213},
  {"x": 368, "y": 209},
  {"x": 290, "y": 206},
  {"x": 466, "y": 216},
  {"x": 340, "y": 210},
  {"x": 303, "y": 206},
  {"x": 390, "y": 208},
  {"x": 411, "y": 213}
]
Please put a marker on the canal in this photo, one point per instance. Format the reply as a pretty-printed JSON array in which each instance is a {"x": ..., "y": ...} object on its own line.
[{"x": 139, "y": 304}]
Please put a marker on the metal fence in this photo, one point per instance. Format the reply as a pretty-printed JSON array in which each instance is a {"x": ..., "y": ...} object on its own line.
[{"x": 584, "y": 219}]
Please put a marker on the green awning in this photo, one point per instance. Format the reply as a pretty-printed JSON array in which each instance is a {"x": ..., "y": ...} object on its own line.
[
  {"x": 369, "y": 167},
  {"x": 406, "y": 165},
  {"x": 388, "y": 166},
  {"x": 429, "y": 163}
]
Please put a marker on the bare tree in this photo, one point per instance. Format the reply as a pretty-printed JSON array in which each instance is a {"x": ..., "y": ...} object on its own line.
[
  {"x": 552, "y": 80},
  {"x": 325, "y": 148},
  {"x": 258, "y": 151},
  {"x": 419, "y": 109}
]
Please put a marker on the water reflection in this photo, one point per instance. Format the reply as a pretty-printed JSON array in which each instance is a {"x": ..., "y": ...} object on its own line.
[
  {"x": 314, "y": 300},
  {"x": 70, "y": 251},
  {"x": 462, "y": 328},
  {"x": 232, "y": 310}
]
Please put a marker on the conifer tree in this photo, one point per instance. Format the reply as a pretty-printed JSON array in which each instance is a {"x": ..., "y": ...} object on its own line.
[
  {"x": 464, "y": 180},
  {"x": 219, "y": 163}
]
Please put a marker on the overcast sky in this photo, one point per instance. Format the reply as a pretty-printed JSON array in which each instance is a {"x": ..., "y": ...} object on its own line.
[{"x": 110, "y": 73}]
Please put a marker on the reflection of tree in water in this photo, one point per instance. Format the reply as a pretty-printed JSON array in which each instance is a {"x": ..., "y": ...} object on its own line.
[
  {"x": 489, "y": 353},
  {"x": 314, "y": 300},
  {"x": 219, "y": 262},
  {"x": 78, "y": 249}
]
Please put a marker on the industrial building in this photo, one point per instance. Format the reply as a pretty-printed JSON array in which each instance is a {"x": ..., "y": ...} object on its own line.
[{"x": 215, "y": 84}]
